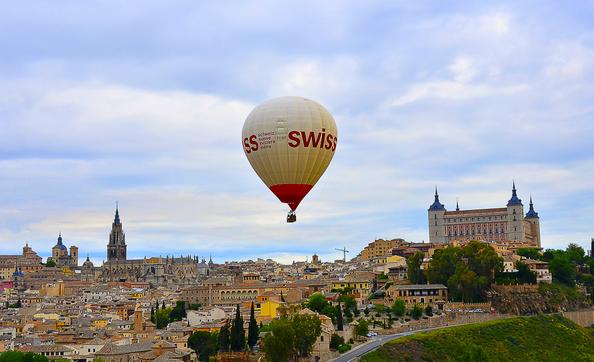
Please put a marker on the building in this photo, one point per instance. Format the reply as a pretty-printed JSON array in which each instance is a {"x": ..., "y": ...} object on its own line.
[
  {"x": 380, "y": 247},
  {"x": 541, "y": 269},
  {"x": 29, "y": 261},
  {"x": 60, "y": 254},
  {"x": 423, "y": 294},
  {"x": 493, "y": 225},
  {"x": 116, "y": 248},
  {"x": 154, "y": 270}
]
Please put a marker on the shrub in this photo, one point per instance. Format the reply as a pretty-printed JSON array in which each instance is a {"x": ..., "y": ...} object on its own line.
[
  {"x": 416, "y": 312},
  {"x": 429, "y": 310},
  {"x": 344, "y": 347},
  {"x": 336, "y": 341}
]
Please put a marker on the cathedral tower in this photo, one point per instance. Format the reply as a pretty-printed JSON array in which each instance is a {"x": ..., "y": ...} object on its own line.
[{"x": 116, "y": 249}]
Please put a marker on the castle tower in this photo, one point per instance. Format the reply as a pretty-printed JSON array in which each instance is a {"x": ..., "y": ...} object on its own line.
[
  {"x": 74, "y": 255},
  {"x": 533, "y": 224},
  {"x": 515, "y": 217},
  {"x": 116, "y": 248},
  {"x": 436, "y": 221}
]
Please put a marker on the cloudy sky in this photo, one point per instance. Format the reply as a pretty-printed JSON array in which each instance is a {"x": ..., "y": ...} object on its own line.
[{"x": 143, "y": 102}]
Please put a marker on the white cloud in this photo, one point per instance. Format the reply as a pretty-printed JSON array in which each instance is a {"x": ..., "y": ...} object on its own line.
[{"x": 454, "y": 91}]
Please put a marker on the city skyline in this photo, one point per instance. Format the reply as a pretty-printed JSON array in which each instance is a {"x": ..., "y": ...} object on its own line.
[{"x": 98, "y": 106}]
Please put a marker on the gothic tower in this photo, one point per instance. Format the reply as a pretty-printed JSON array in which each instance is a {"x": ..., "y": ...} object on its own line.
[{"x": 116, "y": 249}]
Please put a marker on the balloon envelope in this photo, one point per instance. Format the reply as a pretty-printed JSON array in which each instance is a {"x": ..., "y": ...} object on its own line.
[{"x": 289, "y": 141}]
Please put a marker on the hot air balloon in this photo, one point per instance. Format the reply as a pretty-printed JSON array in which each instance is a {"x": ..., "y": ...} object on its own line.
[{"x": 289, "y": 141}]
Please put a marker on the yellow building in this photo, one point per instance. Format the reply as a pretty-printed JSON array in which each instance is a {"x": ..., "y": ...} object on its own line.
[
  {"x": 379, "y": 248},
  {"x": 268, "y": 310},
  {"x": 423, "y": 294},
  {"x": 361, "y": 288},
  {"x": 100, "y": 323},
  {"x": 52, "y": 289}
]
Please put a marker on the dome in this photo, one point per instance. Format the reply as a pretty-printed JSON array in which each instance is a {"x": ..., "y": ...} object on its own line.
[
  {"x": 59, "y": 245},
  {"x": 88, "y": 264}
]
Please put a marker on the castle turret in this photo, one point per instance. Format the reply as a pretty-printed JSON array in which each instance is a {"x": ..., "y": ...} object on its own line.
[
  {"x": 515, "y": 217},
  {"x": 532, "y": 225},
  {"x": 436, "y": 221}
]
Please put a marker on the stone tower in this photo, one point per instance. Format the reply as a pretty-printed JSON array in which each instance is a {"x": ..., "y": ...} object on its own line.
[
  {"x": 515, "y": 217},
  {"x": 436, "y": 221},
  {"x": 533, "y": 223},
  {"x": 73, "y": 255},
  {"x": 116, "y": 249}
]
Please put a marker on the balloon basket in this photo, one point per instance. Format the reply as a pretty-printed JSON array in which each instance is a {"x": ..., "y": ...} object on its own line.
[{"x": 291, "y": 217}]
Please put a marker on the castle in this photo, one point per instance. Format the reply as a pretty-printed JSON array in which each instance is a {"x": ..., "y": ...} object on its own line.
[{"x": 494, "y": 225}]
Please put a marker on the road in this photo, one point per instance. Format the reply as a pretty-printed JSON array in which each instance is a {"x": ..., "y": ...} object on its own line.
[{"x": 374, "y": 343}]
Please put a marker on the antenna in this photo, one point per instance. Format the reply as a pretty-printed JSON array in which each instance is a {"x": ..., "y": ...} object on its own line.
[{"x": 344, "y": 251}]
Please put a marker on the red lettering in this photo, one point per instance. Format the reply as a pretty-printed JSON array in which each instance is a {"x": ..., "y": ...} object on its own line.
[
  {"x": 246, "y": 145},
  {"x": 334, "y": 145},
  {"x": 329, "y": 138},
  {"x": 310, "y": 139},
  {"x": 254, "y": 143},
  {"x": 294, "y": 140}
]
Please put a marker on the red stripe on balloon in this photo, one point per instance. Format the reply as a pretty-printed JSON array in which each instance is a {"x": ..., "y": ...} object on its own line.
[{"x": 291, "y": 194}]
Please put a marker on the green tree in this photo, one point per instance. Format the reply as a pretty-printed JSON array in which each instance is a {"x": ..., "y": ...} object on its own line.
[
  {"x": 252, "y": 329},
  {"x": 366, "y": 311},
  {"x": 482, "y": 259},
  {"x": 223, "y": 342},
  {"x": 317, "y": 302},
  {"x": 194, "y": 306},
  {"x": 204, "y": 344},
  {"x": 563, "y": 269},
  {"x": 50, "y": 263},
  {"x": 416, "y": 312},
  {"x": 575, "y": 254},
  {"x": 339, "y": 321},
  {"x": 414, "y": 273},
  {"x": 443, "y": 264},
  {"x": 336, "y": 341},
  {"x": 525, "y": 275},
  {"x": 178, "y": 312},
  {"x": 162, "y": 318},
  {"x": 399, "y": 308},
  {"x": 282, "y": 297},
  {"x": 429, "y": 310},
  {"x": 279, "y": 344},
  {"x": 237, "y": 332},
  {"x": 530, "y": 253},
  {"x": 464, "y": 284},
  {"x": 152, "y": 314},
  {"x": 163, "y": 305},
  {"x": 308, "y": 328},
  {"x": 362, "y": 327},
  {"x": 17, "y": 356}
]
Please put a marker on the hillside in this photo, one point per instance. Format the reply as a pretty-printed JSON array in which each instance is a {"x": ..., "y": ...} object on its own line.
[{"x": 538, "y": 338}]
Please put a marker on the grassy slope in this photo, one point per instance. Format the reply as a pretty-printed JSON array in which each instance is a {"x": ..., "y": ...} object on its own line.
[{"x": 538, "y": 338}]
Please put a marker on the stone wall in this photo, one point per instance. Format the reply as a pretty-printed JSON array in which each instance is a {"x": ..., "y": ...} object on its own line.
[{"x": 584, "y": 318}]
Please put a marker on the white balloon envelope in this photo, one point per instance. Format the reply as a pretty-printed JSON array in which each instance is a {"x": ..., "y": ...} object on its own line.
[{"x": 289, "y": 142}]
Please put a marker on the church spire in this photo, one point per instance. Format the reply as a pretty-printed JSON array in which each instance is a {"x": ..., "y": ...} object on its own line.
[
  {"x": 457, "y": 206},
  {"x": 116, "y": 219}
]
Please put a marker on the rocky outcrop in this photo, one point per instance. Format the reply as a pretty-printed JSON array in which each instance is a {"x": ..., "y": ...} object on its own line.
[{"x": 534, "y": 299}]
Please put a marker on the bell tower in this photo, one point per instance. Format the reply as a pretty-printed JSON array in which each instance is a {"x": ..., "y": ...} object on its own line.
[{"x": 116, "y": 248}]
